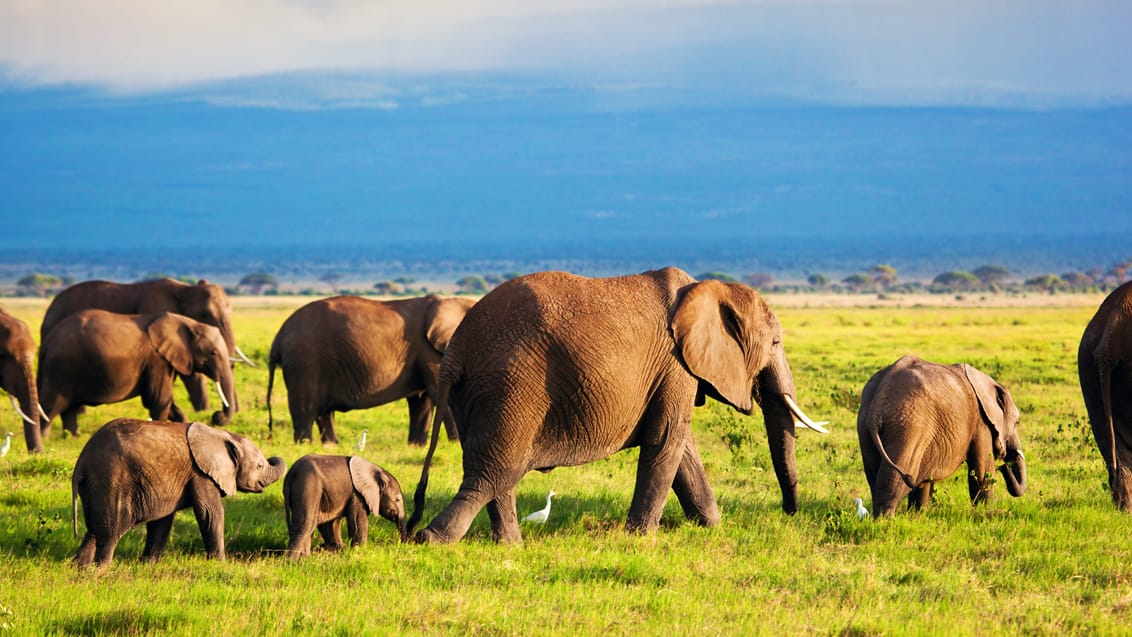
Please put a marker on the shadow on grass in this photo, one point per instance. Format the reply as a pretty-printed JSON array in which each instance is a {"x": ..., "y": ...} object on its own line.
[{"x": 124, "y": 621}]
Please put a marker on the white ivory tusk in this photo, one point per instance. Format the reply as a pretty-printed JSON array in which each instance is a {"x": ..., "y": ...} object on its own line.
[
  {"x": 223, "y": 398},
  {"x": 800, "y": 418},
  {"x": 41, "y": 412},
  {"x": 243, "y": 359},
  {"x": 19, "y": 411}
]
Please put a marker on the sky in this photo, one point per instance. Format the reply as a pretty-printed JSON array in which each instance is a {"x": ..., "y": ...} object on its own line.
[{"x": 986, "y": 52}]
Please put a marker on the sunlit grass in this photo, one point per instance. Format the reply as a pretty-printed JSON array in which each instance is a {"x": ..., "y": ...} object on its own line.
[{"x": 1054, "y": 561}]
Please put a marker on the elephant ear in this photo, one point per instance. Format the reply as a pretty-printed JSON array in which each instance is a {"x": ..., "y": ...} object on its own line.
[
  {"x": 171, "y": 336},
  {"x": 710, "y": 334},
  {"x": 215, "y": 455},
  {"x": 368, "y": 481},
  {"x": 442, "y": 319},
  {"x": 992, "y": 403}
]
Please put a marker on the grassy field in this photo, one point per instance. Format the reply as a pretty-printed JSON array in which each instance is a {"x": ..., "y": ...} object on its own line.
[{"x": 1052, "y": 562}]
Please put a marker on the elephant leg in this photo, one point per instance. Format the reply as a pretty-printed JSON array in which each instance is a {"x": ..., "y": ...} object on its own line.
[
  {"x": 326, "y": 428},
  {"x": 104, "y": 548},
  {"x": 692, "y": 488},
  {"x": 503, "y": 512},
  {"x": 453, "y": 522},
  {"x": 420, "y": 415},
  {"x": 197, "y": 387},
  {"x": 920, "y": 497},
  {"x": 357, "y": 523},
  {"x": 300, "y": 527},
  {"x": 156, "y": 537},
  {"x": 889, "y": 490},
  {"x": 331, "y": 533},
  {"x": 70, "y": 418},
  {"x": 209, "y": 511},
  {"x": 175, "y": 413},
  {"x": 85, "y": 555}
]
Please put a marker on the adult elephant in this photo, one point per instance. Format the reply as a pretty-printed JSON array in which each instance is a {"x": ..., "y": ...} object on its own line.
[
  {"x": 1104, "y": 364},
  {"x": 347, "y": 352},
  {"x": 919, "y": 421},
  {"x": 553, "y": 369},
  {"x": 96, "y": 357},
  {"x": 203, "y": 301},
  {"x": 133, "y": 471},
  {"x": 17, "y": 376}
]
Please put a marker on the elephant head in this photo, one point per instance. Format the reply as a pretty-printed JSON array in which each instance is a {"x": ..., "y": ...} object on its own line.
[
  {"x": 209, "y": 303},
  {"x": 1001, "y": 416},
  {"x": 190, "y": 347},
  {"x": 731, "y": 341},
  {"x": 380, "y": 492},
  {"x": 17, "y": 351},
  {"x": 231, "y": 461}
]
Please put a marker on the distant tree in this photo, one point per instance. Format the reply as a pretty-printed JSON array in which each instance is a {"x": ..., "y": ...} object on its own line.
[
  {"x": 38, "y": 284},
  {"x": 257, "y": 282},
  {"x": 817, "y": 280},
  {"x": 1077, "y": 280},
  {"x": 858, "y": 282},
  {"x": 507, "y": 276},
  {"x": 884, "y": 275},
  {"x": 758, "y": 280},
  {"x": 493, "y": 279},
  {"x": 405, "y": 280},
  {"x": 388, "y": 288},
  {"x": 331, "y": 278},
  {"x": 1046, "y": 283},
  {"x": 991, "y": 274},
  {"x": 472, "y": 285},
  {"x": 954, "y": 281},
  {"x": 1120, "y": 271},
  {"x": 716, "y": 276}
]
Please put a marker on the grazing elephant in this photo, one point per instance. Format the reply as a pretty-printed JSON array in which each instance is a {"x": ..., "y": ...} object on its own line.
[
  {"x": 96, "y": 357},
  {"x": 553, "y": 369},
  {"x": 134, "y": 471},
  {"x": 347, "y": 352},
  {"x": 321, "y": 490},
  {"x": 17, "y": 353},
  {"x": 1104, "y": 364},
  {"x": 920, "y": 420},
  {"x": 204, "y": 301}
]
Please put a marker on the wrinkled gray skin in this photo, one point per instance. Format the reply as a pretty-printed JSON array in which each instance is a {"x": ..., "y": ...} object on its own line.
[
  {"x": 553, "y": 369},
  {"x": 205, "y": 302},
  {"x": 96, "y": 357},
  {"x": 1104, "y": 365},
  {"x": 920, "y": 420},
  {"x": 319, "y": 491},
  {"x": 17, "y": 375},
  {"x": 132, "y": 472},
  {"x": 347, "y": 352}
]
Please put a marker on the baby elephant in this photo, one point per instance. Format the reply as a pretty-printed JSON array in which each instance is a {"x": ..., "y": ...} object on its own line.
[
  {"x": 920, "y": 420},
  {"x": 321, "y": 490},
  {"x": 133, "y": 471}
]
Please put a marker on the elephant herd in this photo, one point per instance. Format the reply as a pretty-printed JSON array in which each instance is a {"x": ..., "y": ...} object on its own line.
[{"x": 547, "y": 370}]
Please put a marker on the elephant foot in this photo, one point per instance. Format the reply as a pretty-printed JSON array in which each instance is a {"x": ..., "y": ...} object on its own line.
[{"x": 429, "y": 536}]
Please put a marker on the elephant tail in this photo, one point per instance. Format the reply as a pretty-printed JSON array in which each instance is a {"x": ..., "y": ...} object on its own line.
[
  {"x": 272, "y": 361},
  {"x": 75, "y": 477},
  {"x": 875, "y": 431},
  {"x": 422, "y": 486}
]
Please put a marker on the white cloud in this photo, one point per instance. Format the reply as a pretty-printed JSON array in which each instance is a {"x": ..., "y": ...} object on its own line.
[{"x": 844, "y": 50}]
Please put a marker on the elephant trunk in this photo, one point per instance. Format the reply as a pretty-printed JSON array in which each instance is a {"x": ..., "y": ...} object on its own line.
[
  {"x": 403, "y": 529},
  {"x": 226, "y": 387},
  {"x": 275, "y": 470},
  {"x": 774, "y": 384},
  {"x": 1014, "y": 471},
  {"x": 18, "y": 376}
]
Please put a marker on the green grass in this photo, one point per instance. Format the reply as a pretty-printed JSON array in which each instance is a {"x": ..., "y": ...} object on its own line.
[{"x": 1052, "y": 562}]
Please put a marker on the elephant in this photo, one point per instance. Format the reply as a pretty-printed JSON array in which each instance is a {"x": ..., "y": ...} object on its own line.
[
  {"x": 1104, "y": 365},
  {"x": 133, "y": 471},
  {"x": 96, "y": 357},
  {"x": 554, "y": 369},
  {"x": 347, "y": 352},
  {"x": 17, "y": 376},
  {"x": 919, "y": 420},
  {"x": 203, "y": 301},
  {"x": 319, "y": 491}
]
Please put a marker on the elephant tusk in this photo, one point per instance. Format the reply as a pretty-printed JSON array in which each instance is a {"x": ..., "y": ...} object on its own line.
[
  {"x": 223, "y": 398},
  {"x": 242, "y": 358},
  {"x": 41, "y": 412},
  {"x": 19, "y": 411},
  {"x": 800, "y": 418}
]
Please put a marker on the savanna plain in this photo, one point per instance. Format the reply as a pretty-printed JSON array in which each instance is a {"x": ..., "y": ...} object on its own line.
[{"x": 1055, "y": 561}]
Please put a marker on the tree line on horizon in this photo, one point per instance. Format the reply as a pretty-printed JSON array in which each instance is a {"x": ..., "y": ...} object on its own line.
[{"x": 880, "y": 279}]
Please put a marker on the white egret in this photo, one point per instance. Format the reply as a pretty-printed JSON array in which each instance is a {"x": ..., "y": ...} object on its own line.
[
  {"x": 540, "y": 516},
  {"x": 862, "y": 512},
  {"x": 7, "y": 445},
  {"x": 361, "y": 442}
]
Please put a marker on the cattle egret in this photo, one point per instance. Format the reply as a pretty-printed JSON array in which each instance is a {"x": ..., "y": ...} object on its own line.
[
  {"x": 540, "y": 516},
  {"x": 361, "y": 446},
  {"x": 862, "y": 512},
  {"x": 7, "y": 445}
]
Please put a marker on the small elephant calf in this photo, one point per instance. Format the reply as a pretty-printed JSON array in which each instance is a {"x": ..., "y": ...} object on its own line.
[{"x": 320, "y": 490}]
